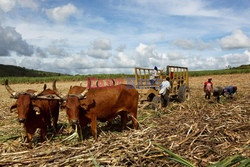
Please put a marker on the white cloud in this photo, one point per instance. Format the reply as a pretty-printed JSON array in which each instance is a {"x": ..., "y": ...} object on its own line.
[
  {"x": 192, "y": 44},
  {"x": 11, "y": 41},
  {"x": 7, "y": 5},
  {"x": 31, "y": 62},
  {"x": 40, "y": 53},
  {"x": 31, "y": 4},
  {"x": 100, "y": 49},
  {"x": 74, "y": 62},
  {"x": 237, "y": 40},
  {"x": 61, "y": 13},
  {"x": 103, "y": 44},
  {"x": 146, "y": 51},
  {"x": 179, "y": 8},
  {"x": 121, "y": 48},
  {"x": 121, "y": 60},
  {"x": 175, "y": 55},
  {"x": 98, "y": 53},
  {"x": 237, "y": 59},
  {"x": 57, "y": 51},
  {"x": 247, "y": 52},
  {"x": 8, "y": 61},
  {"x": 185, "y": 44},
  {"x": 149, "y": 56}
]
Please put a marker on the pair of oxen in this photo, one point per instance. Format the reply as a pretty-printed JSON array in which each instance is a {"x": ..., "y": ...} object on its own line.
[{"x": 83, "y": 106}]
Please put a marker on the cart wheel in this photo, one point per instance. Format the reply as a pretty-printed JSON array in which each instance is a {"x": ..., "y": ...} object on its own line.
[
  {"x": 155, "y": 102},
  {"x": 183, "y": 93}
]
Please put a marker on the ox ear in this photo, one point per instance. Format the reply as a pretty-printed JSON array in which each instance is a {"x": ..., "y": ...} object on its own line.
[
  {"x": 13, "y": 107},
  {"x": 86, "y": 104},
  {"x": 36, "y": 108}
]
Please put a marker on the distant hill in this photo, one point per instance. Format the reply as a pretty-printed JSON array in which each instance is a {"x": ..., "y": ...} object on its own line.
[
  {"x": 16, "y": 71},
  {"x": 242, "y": 67}
]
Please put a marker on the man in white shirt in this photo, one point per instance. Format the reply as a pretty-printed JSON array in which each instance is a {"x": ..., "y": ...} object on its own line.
[
  {"x": 153, "y": 76},
  {"x": 164, "y": 92}
]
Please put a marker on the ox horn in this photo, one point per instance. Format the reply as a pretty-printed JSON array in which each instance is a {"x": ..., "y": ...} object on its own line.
[
  {"x": 83, "y": 94},
  {"x": 54, "y": 86},
  {"x": 59, "y": 94},
  {"x": 44, "y": 87},
  {"x": 11, "y": 91}
]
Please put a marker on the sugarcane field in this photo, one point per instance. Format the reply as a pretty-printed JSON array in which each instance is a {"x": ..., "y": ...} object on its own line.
[{"x": 200, "y": 131}]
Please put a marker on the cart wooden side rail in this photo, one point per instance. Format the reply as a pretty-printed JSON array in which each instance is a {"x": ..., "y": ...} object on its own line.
[{"x": 142, "y": 77}]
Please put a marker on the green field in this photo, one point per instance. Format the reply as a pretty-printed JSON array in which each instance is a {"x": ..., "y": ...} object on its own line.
[{"x": 21, "y": 75}]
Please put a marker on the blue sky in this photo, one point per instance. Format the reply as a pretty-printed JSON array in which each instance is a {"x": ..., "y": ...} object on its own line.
[{"x": 114, "y": 36}]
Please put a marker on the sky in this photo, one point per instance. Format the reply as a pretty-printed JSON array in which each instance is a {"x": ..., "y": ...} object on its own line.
[{"x": 114, "y": 36}]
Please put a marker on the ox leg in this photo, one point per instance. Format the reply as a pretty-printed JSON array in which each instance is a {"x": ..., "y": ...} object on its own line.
[
  {"x": 48, "y": 121},
  {"x": 30, "y": 130},
  {"x": 218, "y": 99},
  {"x": 134, "y": 120},
  {"x": 83, "y": 125},
  {"x": 55, "y": 125},
  {"x": 29, "y": 139},
  {"x": 124, "y": 119},
  {"x": 55, "y": 118},
  {"x": 94, "y": 127},
  {"x": 43, "y": 132}
]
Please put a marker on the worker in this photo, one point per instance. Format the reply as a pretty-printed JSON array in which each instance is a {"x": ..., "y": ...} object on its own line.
[
  {"x": 230, "y": 90},
  {"x": 153, "y": 76},
  {"x": 164, "y": 92},
  {"x": 208, "y": 88}
]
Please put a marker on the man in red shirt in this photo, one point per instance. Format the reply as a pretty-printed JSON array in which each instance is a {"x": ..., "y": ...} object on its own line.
[{"x": 208, "y": 88}]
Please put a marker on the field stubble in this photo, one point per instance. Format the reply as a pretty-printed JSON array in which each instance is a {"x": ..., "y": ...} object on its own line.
[{"x": 199, "y": 130}]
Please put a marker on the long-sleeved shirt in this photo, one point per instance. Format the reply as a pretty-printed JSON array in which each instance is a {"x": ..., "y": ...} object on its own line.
[{"x": 164, "y": 86}]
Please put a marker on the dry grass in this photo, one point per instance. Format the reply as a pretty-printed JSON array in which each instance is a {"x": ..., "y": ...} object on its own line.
[{"x": 199, "y": 130}]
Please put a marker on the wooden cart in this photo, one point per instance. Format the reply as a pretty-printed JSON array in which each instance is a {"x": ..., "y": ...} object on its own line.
[{"x": 179, "y": 81}]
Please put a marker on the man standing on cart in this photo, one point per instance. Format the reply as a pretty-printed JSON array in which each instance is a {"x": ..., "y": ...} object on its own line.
[{"x": 154, "y": 75}]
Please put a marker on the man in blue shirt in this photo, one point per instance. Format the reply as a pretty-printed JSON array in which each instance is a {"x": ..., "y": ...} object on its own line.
[{"x": 230, "y": 90}]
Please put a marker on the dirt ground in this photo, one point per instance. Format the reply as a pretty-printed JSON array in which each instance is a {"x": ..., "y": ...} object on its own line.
[{"x": 201, "y": 131}]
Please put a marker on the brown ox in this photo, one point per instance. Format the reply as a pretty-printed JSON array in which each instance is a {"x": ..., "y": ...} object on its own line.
[
  {"x": 72, "y": 104},
  {"x": 104, "y": 104},
  {"x": 33, "y": 112}
]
